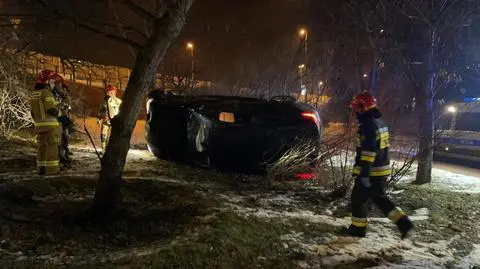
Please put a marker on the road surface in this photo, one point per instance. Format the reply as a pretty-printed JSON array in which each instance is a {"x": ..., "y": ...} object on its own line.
[{"x": 459, "y": 169}]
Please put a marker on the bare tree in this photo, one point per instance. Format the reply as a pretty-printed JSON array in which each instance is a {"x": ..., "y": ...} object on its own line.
[
  {"x": 14, "y": 97},
  {"x": 438, "y": 26},
  {"x": 265, "y": 75},
  {"x": 412, "y": 43}
]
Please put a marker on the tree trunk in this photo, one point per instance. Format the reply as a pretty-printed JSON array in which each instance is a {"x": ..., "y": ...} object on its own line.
[
  {"x": 147, "y": 60},
  {"x": 427, "y": 119}
]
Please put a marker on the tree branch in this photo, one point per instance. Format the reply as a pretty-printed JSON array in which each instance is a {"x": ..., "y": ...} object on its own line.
[
  {"x": 61, "y": 16},
  {"x": 138, "y": 10}
]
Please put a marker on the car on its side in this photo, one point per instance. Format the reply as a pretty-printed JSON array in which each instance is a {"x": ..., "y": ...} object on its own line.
[{"x": 229, "y": 133}]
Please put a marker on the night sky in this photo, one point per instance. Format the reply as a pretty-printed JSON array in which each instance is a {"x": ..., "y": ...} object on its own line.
[
  {"x": 232, "y": 33},
  {"x": 225, "y": 33}
]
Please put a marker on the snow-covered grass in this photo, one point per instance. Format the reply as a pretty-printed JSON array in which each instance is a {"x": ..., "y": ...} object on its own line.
[
  {"x": 441, "y": 178},
  {"x": 267, "y": 227},
  {"x": 452, "y": 181}
]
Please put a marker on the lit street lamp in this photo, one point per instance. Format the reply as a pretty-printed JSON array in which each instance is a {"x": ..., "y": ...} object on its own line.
[
  {"x": 365, "y": 75},
  {"x": 303, "y": 34},
  {"x": 191, "y": 48},
  {"x": 451, "y": 109},
  {"x": 301, "y": 71},
  {"x": 453, "y": 121}
]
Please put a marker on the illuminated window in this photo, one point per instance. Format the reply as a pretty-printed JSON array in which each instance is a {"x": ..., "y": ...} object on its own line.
[{"x": 227, "y": 117}]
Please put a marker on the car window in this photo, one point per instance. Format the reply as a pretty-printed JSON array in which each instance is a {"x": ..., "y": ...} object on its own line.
[{"x": 467, "y": 122}]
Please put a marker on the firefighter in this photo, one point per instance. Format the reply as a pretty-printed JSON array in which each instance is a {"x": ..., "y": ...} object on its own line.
[
  {"x": 62, "y": 95},
  {"x": 372, "y": 168},
  {"x": 108, "y": 110},
  {"x": 44, "y": 109}
]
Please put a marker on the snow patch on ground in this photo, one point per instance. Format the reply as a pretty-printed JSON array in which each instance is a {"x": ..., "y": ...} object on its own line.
[
  {"x": 443, "y": 179},
  {"x": 384, "y": 243},
  {"x": 298, "y": 214},
  {"x": 418, "y": 215},
  {"x": 331, "y": 250},
  {"x": 473, "y": 259}
]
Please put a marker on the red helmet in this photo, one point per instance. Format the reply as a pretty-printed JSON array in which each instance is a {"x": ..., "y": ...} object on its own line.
[
  {"x": 111, "y": 88},
  {"x": 363, "y": 102},
  {"x": 45, "y": 75}
]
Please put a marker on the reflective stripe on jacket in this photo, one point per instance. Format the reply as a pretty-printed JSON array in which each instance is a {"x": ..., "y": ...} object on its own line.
[
  {"x": 41, "y": 101},
  {"x": 109, "y": 109},
  {"x": 372, "y": 158}
]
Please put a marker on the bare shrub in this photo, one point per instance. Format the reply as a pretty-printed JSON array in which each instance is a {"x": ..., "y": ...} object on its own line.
[
  {"x": 300, "y": 156},
  {"x": 330, "y": 163},
  {"x": 403, "y": 153},
  {"x": 335, "y": 169},
  {"x": 14, "y": 97}
]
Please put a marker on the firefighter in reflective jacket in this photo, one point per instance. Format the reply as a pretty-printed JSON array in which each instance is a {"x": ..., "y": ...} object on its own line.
[
  {"x": 372, "y": 168},
  {"x": 44, "y": 109},
  {"x": 108, "y": 110}
]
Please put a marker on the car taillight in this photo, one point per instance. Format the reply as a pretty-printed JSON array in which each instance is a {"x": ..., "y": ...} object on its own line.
[
  {"x": 311, "y": 116},
  {"x": 305, "y": 176}
]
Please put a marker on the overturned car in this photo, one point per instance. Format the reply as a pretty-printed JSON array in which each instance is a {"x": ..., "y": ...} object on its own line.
[{"x": 236, "y": 134}]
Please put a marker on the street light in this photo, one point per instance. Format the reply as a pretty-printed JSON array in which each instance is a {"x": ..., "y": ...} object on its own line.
[
  {"x": 191, "y": 48},
  {"x": 365, "y": 75},
  {"x": 453, "y": 121},
  {"x": 320, "y": 84},
  {"x": 303, "y": 34},
  {"x": 452, "y": 109}
]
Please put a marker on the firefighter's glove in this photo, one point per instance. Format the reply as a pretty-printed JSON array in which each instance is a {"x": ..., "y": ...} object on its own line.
[{"x": 365, "y": 181}]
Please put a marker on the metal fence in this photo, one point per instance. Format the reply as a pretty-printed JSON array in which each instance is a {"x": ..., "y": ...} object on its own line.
[{"x": 88, "y": 73}]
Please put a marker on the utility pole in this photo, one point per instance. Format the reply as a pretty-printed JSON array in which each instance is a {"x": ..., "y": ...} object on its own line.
[
  {"x": 191, "y": 48},
  {"x": 303, "y": 67}
]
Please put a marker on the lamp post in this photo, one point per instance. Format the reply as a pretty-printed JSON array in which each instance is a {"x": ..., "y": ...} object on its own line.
[
  {"x": 452, "y": 110},
  {"x": 303, "y": 90},
  {"x": 303, "y": 34},
  {"x": 191, "y": 48}
]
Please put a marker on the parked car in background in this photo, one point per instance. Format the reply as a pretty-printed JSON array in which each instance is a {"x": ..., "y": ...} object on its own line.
[
  {"x": 228, "y": 133},
  {"x": 458, "y": 132}
]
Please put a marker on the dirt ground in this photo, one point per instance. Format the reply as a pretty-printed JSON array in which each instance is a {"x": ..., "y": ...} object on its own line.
[
  {"x": 138, "y": 136},
  {"x": 175, "y": 216}
]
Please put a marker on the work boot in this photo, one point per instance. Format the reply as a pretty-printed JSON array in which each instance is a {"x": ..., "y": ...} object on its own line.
[
  {"x": 405, "y": 225},
  {"x": 355, "y": 231}
]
